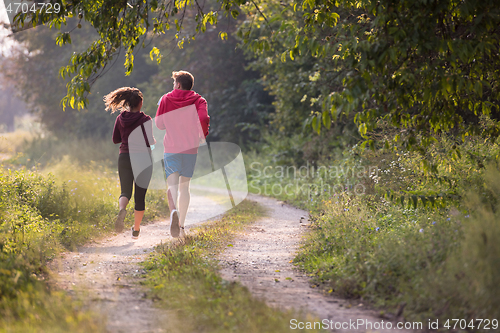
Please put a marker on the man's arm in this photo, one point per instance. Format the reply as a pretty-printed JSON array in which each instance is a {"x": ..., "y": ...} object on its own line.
[
  {"x": 161, "y": 110},
  {"x": 201, "y": 108}
]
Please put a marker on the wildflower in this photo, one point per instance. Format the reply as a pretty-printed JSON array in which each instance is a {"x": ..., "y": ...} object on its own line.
[
  {"x": 448, "y": 219},
  {"x": 376, "y": 229},
  {"x": 69, "y": 181},
  {"x": 421, "y": 230},
  {"x": 434, "y": 222},
  {"x": 466, "y": 216}
]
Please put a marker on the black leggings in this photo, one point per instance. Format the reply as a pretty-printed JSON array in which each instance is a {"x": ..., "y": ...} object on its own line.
[{"x": 127, "y": 181}]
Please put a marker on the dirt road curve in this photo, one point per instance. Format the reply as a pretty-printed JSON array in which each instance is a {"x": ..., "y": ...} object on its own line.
[
  {"x": 261, "y": 260},
  {"x": 108, "y": 274}
]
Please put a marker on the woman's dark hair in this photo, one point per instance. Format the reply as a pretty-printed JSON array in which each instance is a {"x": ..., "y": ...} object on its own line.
[{"x": 125, "y": 98}]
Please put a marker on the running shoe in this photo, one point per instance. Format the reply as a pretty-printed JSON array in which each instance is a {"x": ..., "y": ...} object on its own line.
[
  {"x": 135, "y": 234},
  {"x": 174, "y": 223},
  {"x": 120, "y": 220}
]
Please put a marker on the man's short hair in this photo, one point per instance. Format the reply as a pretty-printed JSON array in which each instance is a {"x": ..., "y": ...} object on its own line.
[{"x": 185, "y": 79}]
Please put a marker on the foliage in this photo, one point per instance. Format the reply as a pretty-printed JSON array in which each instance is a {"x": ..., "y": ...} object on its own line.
[
  {"x": 438, "y": 260},
  {"x": 119, "y": 25},
  {"x": 237, "y": 103},
  {"x": 32, "y": 68},
  {"x": 427, "y": 67},
  {"x": 390, "y": 255},
  {"x": 31, "y": 235},
  {"x": 183, "y": 276},
  {"x": 41, "y": 213},
  {"x": 40, "y": 149}
]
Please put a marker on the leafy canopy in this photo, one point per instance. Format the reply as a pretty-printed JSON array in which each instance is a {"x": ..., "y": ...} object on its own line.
[
  {"x": 120, "y": 25},
  {"x": 426, "y": 66}
]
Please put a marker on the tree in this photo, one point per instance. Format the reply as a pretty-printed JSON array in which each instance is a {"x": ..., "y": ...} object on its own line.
[
  {"x": 10, "y": 106},
  {"x": 237, "y": 102},
  {"x": 427, "y": 66},
  {"x": 119, "y": 25},
  {"x": 33, "y": 69}
]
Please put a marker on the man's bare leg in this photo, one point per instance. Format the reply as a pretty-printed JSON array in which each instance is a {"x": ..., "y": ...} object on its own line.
[
  {"x": 184, "y": 198},
  {"x": 173, "y": 188}
]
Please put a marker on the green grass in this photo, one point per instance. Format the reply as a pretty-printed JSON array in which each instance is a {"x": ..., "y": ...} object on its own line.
[
  {"x": 37, "y": 309},
  {"x": 41, "y": 213},
  {"x": 184, "y": 276},
  {"x": 41, "y": 149},
  {"x": 439, "y": 258}
]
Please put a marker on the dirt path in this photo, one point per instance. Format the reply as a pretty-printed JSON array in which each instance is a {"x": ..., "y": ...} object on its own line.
[
  {"x": 108, "y": 273},
  {"x": 261, "y": 260}
]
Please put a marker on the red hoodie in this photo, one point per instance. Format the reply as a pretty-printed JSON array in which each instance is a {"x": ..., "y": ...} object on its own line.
[
  {"x": 125, "y": 123},
  {"x": 176, "y": 123}
]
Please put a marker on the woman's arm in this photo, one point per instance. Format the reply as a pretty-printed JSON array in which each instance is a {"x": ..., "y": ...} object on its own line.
[
  {"x": 149, "y": 133},
  {"x": 117, "y": 137}
]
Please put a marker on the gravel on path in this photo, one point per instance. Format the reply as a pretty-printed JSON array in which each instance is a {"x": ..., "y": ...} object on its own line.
[
  {"x": 108, "y": 273},
  {"x": 261, "y": 259}
]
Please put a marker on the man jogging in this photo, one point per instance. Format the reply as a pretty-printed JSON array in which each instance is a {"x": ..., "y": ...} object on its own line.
[{"x": 183, "y": 114}]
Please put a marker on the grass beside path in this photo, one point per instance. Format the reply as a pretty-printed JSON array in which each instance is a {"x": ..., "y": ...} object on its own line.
[
  {"x": 184, "y": 276},
  {"x": 42, "y": 214}
]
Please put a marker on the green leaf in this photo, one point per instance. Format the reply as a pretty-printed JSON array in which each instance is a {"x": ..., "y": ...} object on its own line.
[
  {"x": 327, "y": 121},
  {"x": 316, "y": 124},
  {"x": 223, "y": 35},
  {"x": 362, "y": 129}
]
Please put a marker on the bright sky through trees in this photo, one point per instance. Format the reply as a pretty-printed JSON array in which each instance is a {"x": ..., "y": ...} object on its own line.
[{"x": 5, "y": 43}]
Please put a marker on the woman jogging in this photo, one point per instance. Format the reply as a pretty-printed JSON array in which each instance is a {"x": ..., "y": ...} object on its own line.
[{"x": 128, "y": 101}]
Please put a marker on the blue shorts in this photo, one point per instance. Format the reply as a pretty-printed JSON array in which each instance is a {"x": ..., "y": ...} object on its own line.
[{"x": 182, "y": 163}]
